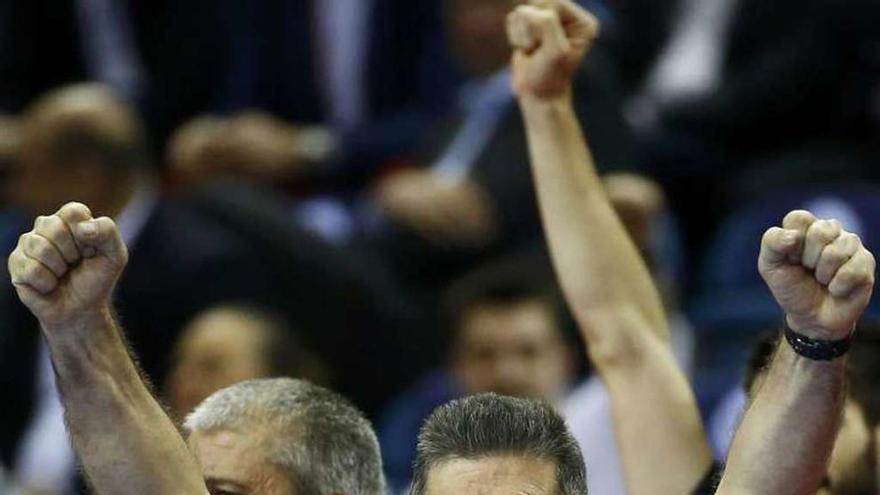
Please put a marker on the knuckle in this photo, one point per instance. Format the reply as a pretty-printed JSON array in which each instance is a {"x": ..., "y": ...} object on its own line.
[{"x": 798, "y": 216}]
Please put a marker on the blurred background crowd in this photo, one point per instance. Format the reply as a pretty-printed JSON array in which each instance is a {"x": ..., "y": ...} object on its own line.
[{"x": 339, "y": 190}]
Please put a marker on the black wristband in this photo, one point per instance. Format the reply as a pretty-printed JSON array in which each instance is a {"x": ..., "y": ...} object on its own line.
[{"x": 815, "y": 349}]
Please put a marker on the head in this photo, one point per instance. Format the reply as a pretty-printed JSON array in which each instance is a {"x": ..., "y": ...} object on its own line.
[
  {"x": 853, "y": 464},
  {"x": 228, "y": 344},
  {"x": 284, "y": 437},
  {"x": 78, "y": 143},
  {"x": 477, "y": 34},
  {"x": 638, "y": 201},
  {"x": 493, "y": 444},
  {"x": 508, "y": 334}
]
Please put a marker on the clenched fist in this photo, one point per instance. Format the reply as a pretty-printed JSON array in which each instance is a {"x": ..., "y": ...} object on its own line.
[
  {"x": 821, "y": 275},
  {"x": 66, "y": 268},
  {"x": 549, "y": 37}
]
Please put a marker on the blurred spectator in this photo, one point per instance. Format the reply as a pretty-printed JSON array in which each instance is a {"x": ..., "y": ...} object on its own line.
[
  {"x": 507, "y": 336},
  {"x": 164, "y": 56},
  {"x": 252, "y": 145},
  {"x": 82, "y": 143},
  {"x": 371, "y": 71},
  {"x": 229, "y": 344},
  {"x": 743, "y": 86},
  {"x": 469, "y": 194}
]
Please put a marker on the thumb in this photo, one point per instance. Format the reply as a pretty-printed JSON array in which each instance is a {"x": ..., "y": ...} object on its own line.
[{"x": 101, "y": 237}]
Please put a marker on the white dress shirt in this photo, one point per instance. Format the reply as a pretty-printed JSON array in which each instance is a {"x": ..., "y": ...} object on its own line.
[
  {"x": 343, "y": 29},
  {"x": 109, "y": 48},
  {"x": 691, "y": 64},
  {"x": 484, "y": 103}
]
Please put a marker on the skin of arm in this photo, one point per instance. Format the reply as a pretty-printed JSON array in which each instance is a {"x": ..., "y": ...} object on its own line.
[
  {"x": 605, "y": 280},
  {"x": 823, "y": 278},
  {"x": 64, "y": 271}
]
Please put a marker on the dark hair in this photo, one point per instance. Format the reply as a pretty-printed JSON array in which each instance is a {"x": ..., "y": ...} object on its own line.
[
  {"x": 863, "y": 366},
  {"x": 509, "y": 281},
  {"x": 283, "y": 353},
  {"x": 489, "y": 424}
]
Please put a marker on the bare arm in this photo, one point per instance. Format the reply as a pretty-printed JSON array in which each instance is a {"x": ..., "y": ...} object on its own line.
[
  {"x": 605, "y": 280},
  {"x": 64, "y": 271},
  {"x": 823, "y": 278}
]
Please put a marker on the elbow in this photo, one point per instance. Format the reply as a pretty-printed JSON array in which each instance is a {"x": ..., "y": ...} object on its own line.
[{"x": 617, "y": 339}]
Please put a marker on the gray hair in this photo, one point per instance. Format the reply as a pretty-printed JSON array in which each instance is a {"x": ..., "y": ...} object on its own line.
[
  {"x": 322, "y": 441},
  {"x": 489, "y": 424}
]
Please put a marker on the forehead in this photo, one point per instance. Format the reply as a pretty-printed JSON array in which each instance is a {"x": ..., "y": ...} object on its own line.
[
  {"x": 527, "y": 317},
  {"x": 236, "y": 463},
  {"x": 226, "y": 452},
  {"x": 495, "y": 475}
]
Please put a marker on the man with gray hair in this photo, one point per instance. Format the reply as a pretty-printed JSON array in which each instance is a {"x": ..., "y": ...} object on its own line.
[
  {"x": 489, "y": 443},
  {"x": 316, "y": 438}
]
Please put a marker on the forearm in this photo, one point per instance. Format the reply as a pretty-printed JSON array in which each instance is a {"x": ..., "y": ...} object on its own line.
[
  {"x": 598, "y": 264},
  {"x": 124, "y": 439},
  {"x": 799, "y": 406}
]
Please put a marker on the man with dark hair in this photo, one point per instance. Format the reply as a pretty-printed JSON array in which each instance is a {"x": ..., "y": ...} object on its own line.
[
  {"x": 231, "y": 343},
  {"x": 507, "y": 335},
  {"x": 493, "y": 444}
]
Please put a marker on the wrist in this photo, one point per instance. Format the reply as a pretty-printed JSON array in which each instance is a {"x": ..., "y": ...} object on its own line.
[
  {"x": 557, "y": 101},
  {"x": 83, "y": 324},
  {"x": 817, "y": 345},
  {"x": 815, "y": 331}
]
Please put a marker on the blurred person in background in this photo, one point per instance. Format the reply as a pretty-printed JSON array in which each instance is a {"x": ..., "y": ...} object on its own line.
[
  {"x": 745, "y": 97},
  {"x": 164, "y": 58},
  {"x": 228, "y": 344},
  {"x": 466, "y": 195},
  {"x": 82, "y": 142},
  {"x": 362, "y": 77},
  {"x": 507, "y": 335}
]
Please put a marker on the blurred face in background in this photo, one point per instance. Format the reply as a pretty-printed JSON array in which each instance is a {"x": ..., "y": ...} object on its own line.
[
  {"x": 219, "y": 348},
  {"x": 477, "y": 32},
  {"x": 851, "y": 469},
  {"x": 513, "y": 349}
]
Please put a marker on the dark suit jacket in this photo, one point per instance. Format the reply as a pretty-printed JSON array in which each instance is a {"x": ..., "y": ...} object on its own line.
[
  {"x": 796, "y": 71},
  {"x": 182, "y": 45},
  {"x": 503, "y": 170},
  {"x": 408, "y": 73}
]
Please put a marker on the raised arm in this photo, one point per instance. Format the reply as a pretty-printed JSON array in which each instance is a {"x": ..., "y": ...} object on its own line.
[
  {"x": 606, "y": 282},
  {"x": 823, "y": 279},
  {"x": 64, "y": 271}
]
